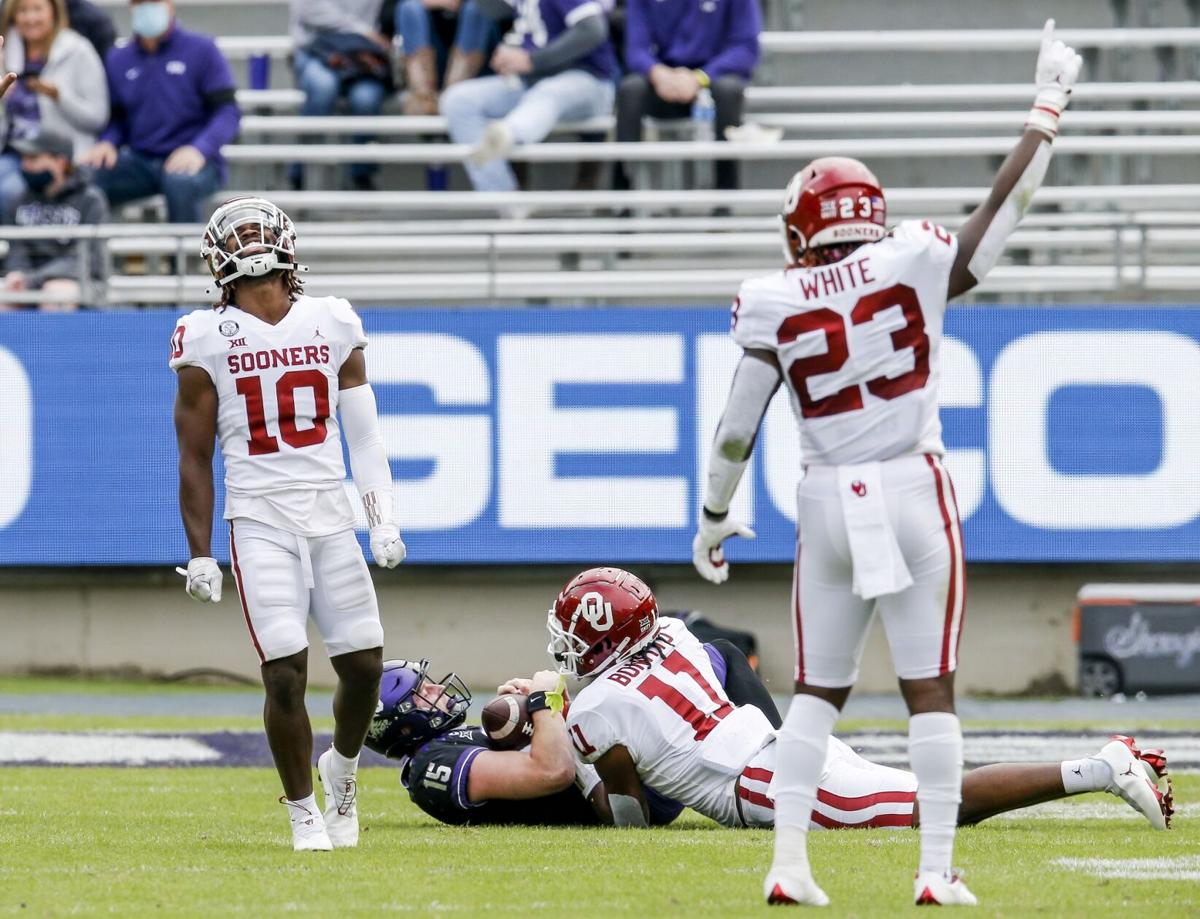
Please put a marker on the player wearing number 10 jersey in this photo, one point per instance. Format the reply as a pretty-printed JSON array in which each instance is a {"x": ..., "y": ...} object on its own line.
[
  {"x": 853, "y": 328},
  {"x": 267, "y": 372}
]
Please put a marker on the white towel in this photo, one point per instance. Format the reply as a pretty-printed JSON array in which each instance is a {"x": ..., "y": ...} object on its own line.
[{"x": 875, "y": 555}]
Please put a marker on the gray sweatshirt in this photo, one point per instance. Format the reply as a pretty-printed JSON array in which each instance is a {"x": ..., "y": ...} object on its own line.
[
  {"x": 311, "y": 17},
  {"x": 73, "y": 66},
  {"x": 40, "y": 260}
]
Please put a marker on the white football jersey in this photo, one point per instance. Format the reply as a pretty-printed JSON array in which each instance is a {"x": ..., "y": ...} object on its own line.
[
  {"x": 667, "y": 708},
  {"x": 277, "y": 413},
  {"x": 859, "y": 344}
]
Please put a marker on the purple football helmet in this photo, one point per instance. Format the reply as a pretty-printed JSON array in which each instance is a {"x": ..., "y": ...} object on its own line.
[{"x": 407, "y": 716}]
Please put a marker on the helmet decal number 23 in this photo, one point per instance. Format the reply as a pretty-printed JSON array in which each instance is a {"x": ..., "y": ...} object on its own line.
[
  {"x": 261, "y": 440},
  {"x": 837, "y": 351},
  {"x": 702, "y": 722}
]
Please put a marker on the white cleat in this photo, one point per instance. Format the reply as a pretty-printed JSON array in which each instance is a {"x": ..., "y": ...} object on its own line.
[
  {"x": 933, "y": 889},
  {"x": 341, "y": 804},
  {"x": 496, "y": 142},
  {"x": 1135, "y": 778},
  {"x": 308, "y": 828},
  {"x": 782, "y": 889}
]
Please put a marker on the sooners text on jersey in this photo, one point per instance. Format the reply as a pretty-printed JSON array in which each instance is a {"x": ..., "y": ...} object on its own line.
[
  {"x": 277, "y": 387},
  {"x": 859, "y": 344},
  {"x": 668, "y": 709}
]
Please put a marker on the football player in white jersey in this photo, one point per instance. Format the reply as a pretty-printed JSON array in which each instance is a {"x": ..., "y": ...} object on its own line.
[
  {"x": 853, "y": 327},
  {"x": 267, "y": 372},
  {"x": 656, "y": 714}
]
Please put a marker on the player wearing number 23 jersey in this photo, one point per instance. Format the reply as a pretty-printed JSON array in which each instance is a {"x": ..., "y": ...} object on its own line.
[
  {"x": 276, "y": 377},
  {"x": 852, "y": 328}
]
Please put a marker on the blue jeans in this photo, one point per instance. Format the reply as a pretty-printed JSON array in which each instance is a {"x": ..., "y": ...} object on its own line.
[
  {"x": 12, "y": 183},
  {"x": 322, "y": 88},
  {"x": 139, "y": 176},
  {"x": 473, "y": 31},
  {"x": 530, "y": 114}
]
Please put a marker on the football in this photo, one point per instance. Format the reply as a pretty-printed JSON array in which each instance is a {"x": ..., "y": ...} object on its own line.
[{"x": 507, "y": 723}]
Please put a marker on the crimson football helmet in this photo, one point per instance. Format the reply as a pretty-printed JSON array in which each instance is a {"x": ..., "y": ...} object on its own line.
[
  {"x": 832, "y": 201},
  {"x": 248, "y": 237},
  {"x": 602, "y": 618}
]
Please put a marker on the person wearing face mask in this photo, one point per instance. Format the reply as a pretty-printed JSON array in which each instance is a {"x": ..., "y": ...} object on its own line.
[
  {"x": 62, "y": 84},
  {"x": 56, "y": 195},
  {"x": 173, "y": 108}
]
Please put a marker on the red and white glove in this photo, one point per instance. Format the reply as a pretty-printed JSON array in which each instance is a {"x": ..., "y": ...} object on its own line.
[
  {"x": 1057, "y": 70},
  {"x": 203, "y": 579},
  {"x": 707, "y": 555}
]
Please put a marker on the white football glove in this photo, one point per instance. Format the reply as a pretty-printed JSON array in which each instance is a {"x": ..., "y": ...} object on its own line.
[
  {"x": 387, "y": 546},
  {"x": 707, "y": 554},
  {"x": 203, "y": 579},
  {"x": 1057, "y": 70}
]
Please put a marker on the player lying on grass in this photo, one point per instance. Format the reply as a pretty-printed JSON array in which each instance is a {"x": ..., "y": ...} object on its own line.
[
  {"x": 456, "y": 773},
  {"x": 655, "y": 715}
]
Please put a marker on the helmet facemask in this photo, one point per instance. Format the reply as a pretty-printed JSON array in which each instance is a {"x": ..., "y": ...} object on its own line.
[
  {"x": 249, "y": 238},
  {"x": 407, "y": 715}
]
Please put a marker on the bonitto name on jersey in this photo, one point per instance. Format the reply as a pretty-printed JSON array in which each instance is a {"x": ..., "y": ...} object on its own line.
[
  {"x": 297, "y": 356},
  {"x": 643, "y": 661}
]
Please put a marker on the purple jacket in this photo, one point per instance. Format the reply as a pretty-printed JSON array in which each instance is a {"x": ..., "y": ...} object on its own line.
[
  {"x": 181, "y": 94},
  {"x": 716, "y": 36}
]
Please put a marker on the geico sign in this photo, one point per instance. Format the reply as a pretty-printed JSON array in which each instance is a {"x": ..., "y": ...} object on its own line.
[{"x": 506, "y": 429}]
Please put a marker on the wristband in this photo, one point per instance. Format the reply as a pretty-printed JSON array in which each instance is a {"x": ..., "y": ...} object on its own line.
[
  {"x": 713, "y": 515},
  {"x": 541, "y": 701},
  {"x": 703, "y": 78}
]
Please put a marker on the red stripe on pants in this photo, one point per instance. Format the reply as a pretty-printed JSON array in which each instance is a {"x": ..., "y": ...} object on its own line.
[
  {"x": 242, "y": 595},
  {"x": 951, "y": 590},
  {"x": 758, "y": 775},
  {"x": 756, "y": 797},
  {"x": 865, "y": 801}
]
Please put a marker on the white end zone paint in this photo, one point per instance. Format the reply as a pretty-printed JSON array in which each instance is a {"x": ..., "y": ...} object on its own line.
[
  {"x": 62, "y": 749},
  {"x": 1179, "y": 868}
]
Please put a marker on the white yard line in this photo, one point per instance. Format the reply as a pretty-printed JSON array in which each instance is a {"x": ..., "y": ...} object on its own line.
[
  {"x": 1180, "y": 868},
  {"x": 17, "y": 747}
]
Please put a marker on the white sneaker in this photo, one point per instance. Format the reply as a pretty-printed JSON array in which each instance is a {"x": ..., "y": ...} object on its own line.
[
  {"x": 341, "y": 804},
  {"x": 308, "y": 828},
  {"x": 784, "y": 889},
  {"x": 933, "y": 889},
  {"x": 496, "y": 142},
  {"x": 1135, "y": 779}
]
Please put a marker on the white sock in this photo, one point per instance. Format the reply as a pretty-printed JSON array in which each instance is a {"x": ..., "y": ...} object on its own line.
[
  {"x": 298, "y": 809},
  {"x": 802, "y": 743},
  {"x": 935, "y": 750},
  {"x": 1080, "y": 775},
  {"x": 341, "y": 765}
]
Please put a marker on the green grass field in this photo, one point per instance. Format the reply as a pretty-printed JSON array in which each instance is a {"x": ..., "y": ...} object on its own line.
[{"x": 212, "y": 842}]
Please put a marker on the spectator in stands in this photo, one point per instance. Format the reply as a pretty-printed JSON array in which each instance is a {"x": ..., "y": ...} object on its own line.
[
  {"x": 676, "y": 48},
  {"x": 430, "y": 60},
  {"x": 173, "y": 108},
  {"x": 56, "y": 195},
  {"x": 340, "y": 52},
  {"x": 61, "y": 85},
  {"x": 93, "y": 24},
  {"x": 556, "y": 64}
]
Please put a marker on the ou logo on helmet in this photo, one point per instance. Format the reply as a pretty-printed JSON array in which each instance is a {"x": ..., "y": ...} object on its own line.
[{"x": 596, "y": 610}]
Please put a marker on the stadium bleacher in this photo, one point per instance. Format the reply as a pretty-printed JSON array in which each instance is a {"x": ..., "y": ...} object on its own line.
[{"x": 1112, "y": 219}]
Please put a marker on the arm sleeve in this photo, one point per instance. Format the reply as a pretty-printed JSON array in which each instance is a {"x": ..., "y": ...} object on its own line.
[
  {"x": 224, "y": 118},
  {"x": 591, "y": 734},
  {"x": 639, "y": 54},
  {"x": 329, "y": 16},
  {"x": 754, "y": 385},
  {"x": 368, "y": 460},
  {"x": 585, "y": 34},
  {"x": 118, "y": 120},
  {"x": 83, "y": 99},
  {"x": 739, "y": 54}
]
